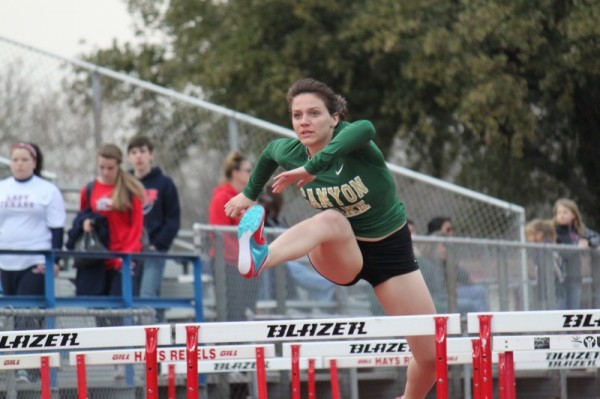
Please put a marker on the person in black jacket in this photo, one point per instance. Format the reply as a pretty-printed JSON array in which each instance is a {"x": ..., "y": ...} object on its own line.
[{"x": 161, "y": 216}]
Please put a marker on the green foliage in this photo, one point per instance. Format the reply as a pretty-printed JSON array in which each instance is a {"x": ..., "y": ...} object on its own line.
[{"x": 498, "y": 95}]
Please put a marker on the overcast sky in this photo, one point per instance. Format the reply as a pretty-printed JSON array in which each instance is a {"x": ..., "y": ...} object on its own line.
[{"x": 60, "y": 26}]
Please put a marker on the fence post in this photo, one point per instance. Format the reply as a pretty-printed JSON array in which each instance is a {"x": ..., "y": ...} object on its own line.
[
  {"x": 219, "y": 271},
  {"x": 198, "y": 292},
  {"x": 503, "y": 280},
  {"x": 97, "y": 107}
]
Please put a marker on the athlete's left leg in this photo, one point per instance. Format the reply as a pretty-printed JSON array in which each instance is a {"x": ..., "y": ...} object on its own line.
[{"x": 408, "y": 294}]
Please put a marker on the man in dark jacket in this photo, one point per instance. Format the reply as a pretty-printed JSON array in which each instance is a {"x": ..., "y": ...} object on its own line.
[{"x": 161, "y": 216}]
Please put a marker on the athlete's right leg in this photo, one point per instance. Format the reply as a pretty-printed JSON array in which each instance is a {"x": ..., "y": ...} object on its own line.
[{"x": 329, "y": 241}]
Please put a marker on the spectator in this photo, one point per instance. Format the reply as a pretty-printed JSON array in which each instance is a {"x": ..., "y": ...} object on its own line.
[
  {"x": 413, "y": 232},
  {"x": 306, "y": 278},
  {"x": 470, "y": 297},
  {"x": 441, "y": 224},
  {"x": 570, "y": 230},
  {"x": 32, "y": 217},
  {"x": 161, "y": 217},
  {"x": 543, "y": 232},
  {"x": 432, "y": 262},
  {"x": 119, "y": 197},
  {"x": 241, "y": 295}
]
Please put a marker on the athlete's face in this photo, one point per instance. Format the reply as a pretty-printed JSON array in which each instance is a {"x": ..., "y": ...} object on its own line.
[
  {"x": 312, "y": 121},
  {"x": 22, "y": 163},
  {"x": 108, "y": 169}
]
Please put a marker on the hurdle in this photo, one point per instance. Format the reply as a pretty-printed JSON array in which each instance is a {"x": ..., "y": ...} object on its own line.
[
  {"x": 170, "y": 356},
  {"x": 82, "y": 338},
  {"x": 334, "y": 355},
  {"x": 438, "y": 326},
  {"x": 521, "y": 322},
  {"x": 33, "y": 361}
]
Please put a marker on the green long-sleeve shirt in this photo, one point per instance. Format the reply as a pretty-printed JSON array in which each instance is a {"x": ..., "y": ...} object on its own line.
[{"x": 351, "y": 176}]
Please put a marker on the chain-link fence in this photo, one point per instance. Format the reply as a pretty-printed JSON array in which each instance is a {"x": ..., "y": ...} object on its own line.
[
  {"x": 69, "y": 107},
  {"x": 463, "y": 275}
]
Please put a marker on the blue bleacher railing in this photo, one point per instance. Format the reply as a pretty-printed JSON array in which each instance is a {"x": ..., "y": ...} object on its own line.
[{"x": 127, "y": 300}]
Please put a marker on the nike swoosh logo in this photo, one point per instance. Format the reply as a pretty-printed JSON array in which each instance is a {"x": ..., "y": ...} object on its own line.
[{"x": 337, "y": 172}]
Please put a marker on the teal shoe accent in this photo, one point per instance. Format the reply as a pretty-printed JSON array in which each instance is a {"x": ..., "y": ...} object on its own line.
[{"x": 252, "y": 244}]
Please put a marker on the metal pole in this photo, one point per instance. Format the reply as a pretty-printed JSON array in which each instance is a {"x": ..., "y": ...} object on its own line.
[
  {"x": 97, "y": 108},
  {"x": 524, "y": 272},
  {"x": 233, "y": 132}
]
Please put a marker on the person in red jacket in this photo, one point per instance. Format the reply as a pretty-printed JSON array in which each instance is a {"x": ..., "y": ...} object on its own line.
[
  {"x": 119, "y": 197},
  {"x": 236, "y": 172}
]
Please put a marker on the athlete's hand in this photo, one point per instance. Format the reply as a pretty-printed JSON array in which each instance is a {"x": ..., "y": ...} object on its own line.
[
  {"x": 235, "y": 206},
  {"x": 284, "y": 179}
]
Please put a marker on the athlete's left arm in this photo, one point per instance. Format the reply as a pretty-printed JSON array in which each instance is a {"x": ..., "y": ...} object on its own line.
[{"x": 351, "y": 137}]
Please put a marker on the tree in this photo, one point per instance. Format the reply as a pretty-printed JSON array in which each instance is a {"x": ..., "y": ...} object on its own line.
[{"x": 499, "y": 96}]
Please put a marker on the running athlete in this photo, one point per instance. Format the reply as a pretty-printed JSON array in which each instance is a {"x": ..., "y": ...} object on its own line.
[{"x": 361, "y": 232}]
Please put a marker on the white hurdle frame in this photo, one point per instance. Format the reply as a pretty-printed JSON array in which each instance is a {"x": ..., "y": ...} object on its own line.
[
  {"x": 90, "y": 338},
  {"x": 519, "y": 322},
  {"x": 438, "y": 326},
  {"x": 43, "y": 361},
  {"x": 360, "y": 354}
]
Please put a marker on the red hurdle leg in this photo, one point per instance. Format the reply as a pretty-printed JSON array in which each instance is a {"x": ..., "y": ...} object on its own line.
[
  {"x": 510, "y": 383},
  {"x": 295, "y": 371},
  {"x": 171, "y": 393},
  {"x": 82, "y": 392},
  {"x": 191, "y": 356},
  {"x": 485, "y": 335},
  {"x": 476, "y": 368},
  {"x": 45, "y": 376},
  {"x": 502, "y": 375},
  {"x": 261, "y": 373},
  {"x": 441, "y": 357},
  {"x": 335, "y": 382},
  {"x": 151, "y": 363},
  {"x": 312, "y": 385}
]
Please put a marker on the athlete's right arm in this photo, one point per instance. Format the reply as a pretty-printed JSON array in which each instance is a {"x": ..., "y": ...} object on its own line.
[{"x": 265, "y": 167}]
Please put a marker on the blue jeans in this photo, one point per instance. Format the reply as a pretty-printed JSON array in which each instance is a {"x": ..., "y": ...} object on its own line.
[
  {"x": 299, "y": 276},
  {"x": 571, "y": 298},
  {"x": 152, "y": 271},
  {"x": 318, "y": 287}
]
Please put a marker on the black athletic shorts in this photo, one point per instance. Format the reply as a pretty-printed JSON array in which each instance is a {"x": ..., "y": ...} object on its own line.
[{"x": 390, "y": 257}]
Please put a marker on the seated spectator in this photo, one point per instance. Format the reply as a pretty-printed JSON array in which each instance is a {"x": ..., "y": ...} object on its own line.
[
  {"x": 440, "y": 224},
  {"x": 470, "y": 297}
]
